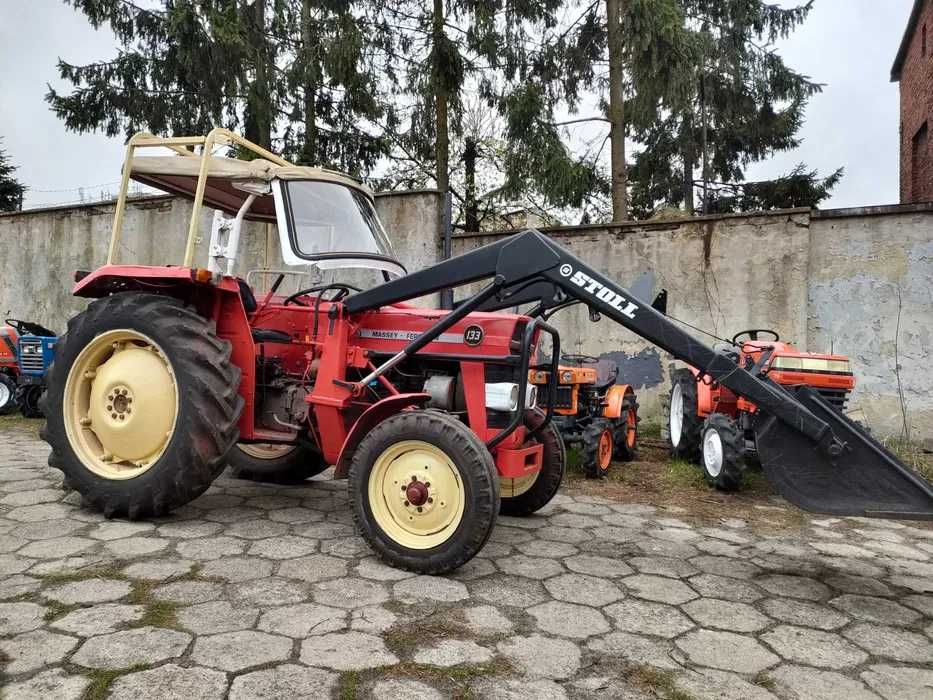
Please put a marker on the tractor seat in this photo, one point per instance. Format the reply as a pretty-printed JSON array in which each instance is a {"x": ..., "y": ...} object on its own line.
[{"x": 268, "y": 335}]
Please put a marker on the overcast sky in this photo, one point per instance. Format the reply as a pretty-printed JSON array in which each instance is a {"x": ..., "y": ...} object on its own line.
[{"x": 847, "y": 44}]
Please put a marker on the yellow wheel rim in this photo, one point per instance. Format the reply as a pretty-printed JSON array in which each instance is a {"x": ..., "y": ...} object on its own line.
[
  {"x": 120, "y": 404},
  {"x": 416, "y": 494},
  {"x": 266, "y": 450},
  {"x": 510, "y": 488}
]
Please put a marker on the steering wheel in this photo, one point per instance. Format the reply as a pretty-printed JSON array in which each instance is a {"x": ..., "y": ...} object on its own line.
[
  {"x": 580, "y": 359},
  {"x": 752, "y": 334},
  {"x": 343, "y": 290}
]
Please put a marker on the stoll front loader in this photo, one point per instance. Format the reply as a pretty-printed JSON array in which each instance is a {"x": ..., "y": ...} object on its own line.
[{"x": 428, "y": 414}]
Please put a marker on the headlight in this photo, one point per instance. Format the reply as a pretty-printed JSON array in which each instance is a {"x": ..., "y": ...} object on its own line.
[
  {"x": 810, "y": 364},
  {"x": 566, "y": 377}
]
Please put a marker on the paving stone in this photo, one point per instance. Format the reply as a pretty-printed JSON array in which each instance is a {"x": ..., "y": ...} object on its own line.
[
  {"x": 664, "y": 566},
  {"x": 31, "y": 651},
  {"x": 510, "y": 535},
  {"x": 158, "y": 569},
  {"x": 914, "y": 583},
  {"x": 312, "y": 568},
  {"x": 726, "y": 615},
  {"x": 349, "y": 593},
  {"x": 31, "y": 498},
  {"x": 287, "y": 547},
  {"x": 54, "y": 683},
  {"x": 431, "y": 588},
  {"x": 189, "y": 529},
  {"x": 595, "y": 565},
  {"x": 891, "y": 643},
  {"x": 575, "y": 520},
  {"x": 583, "y": 589},
  {"x": 804, "y": 613},
  {"x": 117, "y": 529},
  {"x": 840, "y": 549},
  {"x": 530, "y": 567},
  {"x": 236, "y": 651},
  {"x": 56, "y": 548},
  {"x": 238, "y": 568},
  {"x": 719, "y": 685},
  {"x": 794, "y": 586},
  {"x": 346, "y": 651},
  {"x": 859, "y": 585},
  {"x": 99, "y": 619},
  {"x": 284, "y": 681},
  {"x": 95, "y": 590},
  {"x": 372, "y": 620},
  {"x": 188, "y": 592},
  {"x": 130, "y": 547},
  {"x": 923, "y": 603},
  {"x": 642, "y": 617},
  {"x": 546, "y": 548},
  {"x": 41, "y": 511},
  {"x": 541, "y": 657},
  {"x": 170, "y": 681},
  {"x": 813, "y": 684},
  {"x": 143, "y": 645},
  {"x": 567, "y": 535},
  {"x": 453, "y": 652},
  {"x": 269, "y": 592},
  {"x": 874, "y": 609},
  {"x": 15, "y": 586},
  {"x": 16, "y": 618},
  {"x": 371, "y": 567},
  {"x": 216, "y": 617},
  {"x": 346, "y": 547},
  {"x": 211, "y": 548},
  {"x": 514, "y": 591},
  {"x": 636, "y": 649},
  {"x": 813, "y": 647},
  {"x": 659, "y": 548},
  {"x": 408, "y": 689},
  {"x": 725, "y": 566},
  {"x": 303, "y": 620},
  {"x": 512, "y": 689},
  {"x": 713, "y": 586},
  {"x": 659, "y": 589},
  {"x": 486, "y": 620},
  {"x": 296, "y": 516},
  {"x": 726, "y": 651},
  {"x": 324, "y": 531},
  {"x": 569, "y": 620},
  {"x": 899, "y": 682}
]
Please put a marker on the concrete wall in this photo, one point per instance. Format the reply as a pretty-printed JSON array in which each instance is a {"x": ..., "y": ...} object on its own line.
[{"x": 824, "y": 280}]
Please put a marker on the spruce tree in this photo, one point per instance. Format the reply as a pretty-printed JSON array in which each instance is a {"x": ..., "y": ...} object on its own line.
[{"x": 11, "y": 189}]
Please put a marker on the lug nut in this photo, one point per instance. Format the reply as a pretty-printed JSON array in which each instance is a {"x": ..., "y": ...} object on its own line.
[
  {"x": 406, "y": 504},
  {"x": 430, "y": 500},
  {"x": 420, "y": 509},
  {"x": 109, "y": 408}
]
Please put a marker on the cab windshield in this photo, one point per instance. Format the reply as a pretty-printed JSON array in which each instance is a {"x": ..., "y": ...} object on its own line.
[{"x": 337, "y": 226}]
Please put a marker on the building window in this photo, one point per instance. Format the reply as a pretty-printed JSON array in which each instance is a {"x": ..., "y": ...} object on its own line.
[{"x": 920, "y": 164}]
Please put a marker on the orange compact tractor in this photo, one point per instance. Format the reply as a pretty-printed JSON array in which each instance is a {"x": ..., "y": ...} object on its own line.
[
  {"x": 594, "y": 412},
  {"x": 176, "y": 369},
  {"x": 713, "y": 426}
]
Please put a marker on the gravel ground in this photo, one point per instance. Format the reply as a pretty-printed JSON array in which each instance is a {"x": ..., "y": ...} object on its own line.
[{"x": 264, "y": 592}]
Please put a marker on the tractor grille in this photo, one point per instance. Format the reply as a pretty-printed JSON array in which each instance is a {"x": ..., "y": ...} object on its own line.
[
  {"x": 564, "y": 397},
  {"x": 836, "y": 397},
  {"x": 30, "y": 357}
]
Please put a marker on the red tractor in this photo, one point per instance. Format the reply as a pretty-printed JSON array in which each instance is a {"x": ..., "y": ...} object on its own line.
[
  {"x": 710, "y": 424},
  {"x": 173, "y": 371}
]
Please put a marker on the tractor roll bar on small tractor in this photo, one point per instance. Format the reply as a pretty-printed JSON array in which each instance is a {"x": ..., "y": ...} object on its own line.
[{"x": 174, "y": 372}]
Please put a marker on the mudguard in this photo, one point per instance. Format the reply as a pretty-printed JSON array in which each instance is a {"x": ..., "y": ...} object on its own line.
[
  {"x": 865, "y": 480},
  {"x": 614, "y": 398}
]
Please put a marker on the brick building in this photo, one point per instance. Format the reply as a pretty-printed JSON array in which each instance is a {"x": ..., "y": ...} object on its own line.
[{"x": 913, "y": 69}]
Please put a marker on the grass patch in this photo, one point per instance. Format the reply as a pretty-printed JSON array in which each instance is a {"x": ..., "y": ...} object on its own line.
[
  {"x": 57, "y": 609},
  {"x": 914, "y": 455},
  {"x": 765, "y": 681},
  {"x": 160, "y": 613},
  {"x": 404, "y": 639},
  {"x": 15, "y": 421},
  {"x": 110, "y": 570},
  {"x": 655, "y": 680},
  {"x": 102, "y": 679},
  {"x": 348, "y": 685},
  {"x": 682, "y": 474},
  {"x": 456, "y": 681},
  {"x": 649, "y": 430}
]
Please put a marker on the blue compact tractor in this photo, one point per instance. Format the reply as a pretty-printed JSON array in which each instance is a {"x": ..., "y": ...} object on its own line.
[{"x": 35, "y": 350}]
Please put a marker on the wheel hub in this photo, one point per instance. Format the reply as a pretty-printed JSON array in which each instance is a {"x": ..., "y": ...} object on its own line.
[{"x": 417, "y": 492}]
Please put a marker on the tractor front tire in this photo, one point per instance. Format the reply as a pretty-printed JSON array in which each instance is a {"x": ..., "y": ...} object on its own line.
[
  {"x": 28, "y": 397},
  {"x": 723, "y": 452},
  {"x": 275, "y": 464},
  {"x": 683, "y": 419},
  {"x": 529, "y": 494},
  {"x": 626, "y": 429},
  {"x": 598, "y": 447},
  {"x": 7, "y": 394},
  {"x": 424, "y": 490},
  {"x": 142, "y": 405}
]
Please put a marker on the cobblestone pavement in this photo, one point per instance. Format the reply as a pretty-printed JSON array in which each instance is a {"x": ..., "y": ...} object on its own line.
[{"x": 256, "y": 591}]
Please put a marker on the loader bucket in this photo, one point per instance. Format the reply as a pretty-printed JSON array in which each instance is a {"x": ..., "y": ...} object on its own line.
[{"x": 865, "y": 480}]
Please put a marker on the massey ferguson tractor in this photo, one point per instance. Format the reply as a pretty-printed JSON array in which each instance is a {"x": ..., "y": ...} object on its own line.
[
  {"x": 593, "y": 412},
  {"x": 711, "y": 425},
  {"x": 175, "y": 369}
]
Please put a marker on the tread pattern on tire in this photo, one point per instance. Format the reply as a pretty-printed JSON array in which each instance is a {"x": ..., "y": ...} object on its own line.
[
  {"x": 689, "y": 447},
  {"x": 623, "y": 452},
  {"x": 733, "y": 453},
  {"x": 590, "y": 447},
  {"x": 553, "y": 466},
  {"x": 209, "y": 405},
  {"x": 481, "y": 492},
  {"x": 293, "y": 468}
]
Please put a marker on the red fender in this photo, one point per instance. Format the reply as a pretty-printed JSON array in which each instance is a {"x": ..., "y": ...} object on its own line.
[
  {"x": 614, "y": 398},
  {"x": 373, "y": 415}
]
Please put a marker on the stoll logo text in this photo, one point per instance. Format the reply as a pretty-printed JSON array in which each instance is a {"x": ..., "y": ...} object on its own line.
[{"x": 604, "y": 294}]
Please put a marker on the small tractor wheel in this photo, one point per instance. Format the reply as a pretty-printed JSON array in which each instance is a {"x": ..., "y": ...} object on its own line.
[
  {"x": 529, "y": 494},
  {"x": 275, "y": 464},
  {"x": 28, "y": 397},
  {"x": 723, "y": 452},
  {"x": 684, "y": 422},
  {"x": 598, "y": 447},
  {"x": 141, "y": 405},
  {"x": 7, "y": 394},
  {"x": 626, "y": 429},
  {"x": 424, "y": 490}
]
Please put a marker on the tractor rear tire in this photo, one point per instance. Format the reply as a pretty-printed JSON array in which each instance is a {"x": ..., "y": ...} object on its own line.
[
  {"x": 28, "y": 397},
  {"x": 723, "y": 452},
  {"x": 598, "y": 447},
  {"x": 532, "y": 495},
  {"x": 626, "y": 429},
  {"x": 170, "y": 393},
  {"x": 683, "y": 419},
  {"x": 265, "y": 463},
  {"x": 7, "y": 394},
  {"x": 424, "y": 491}
]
